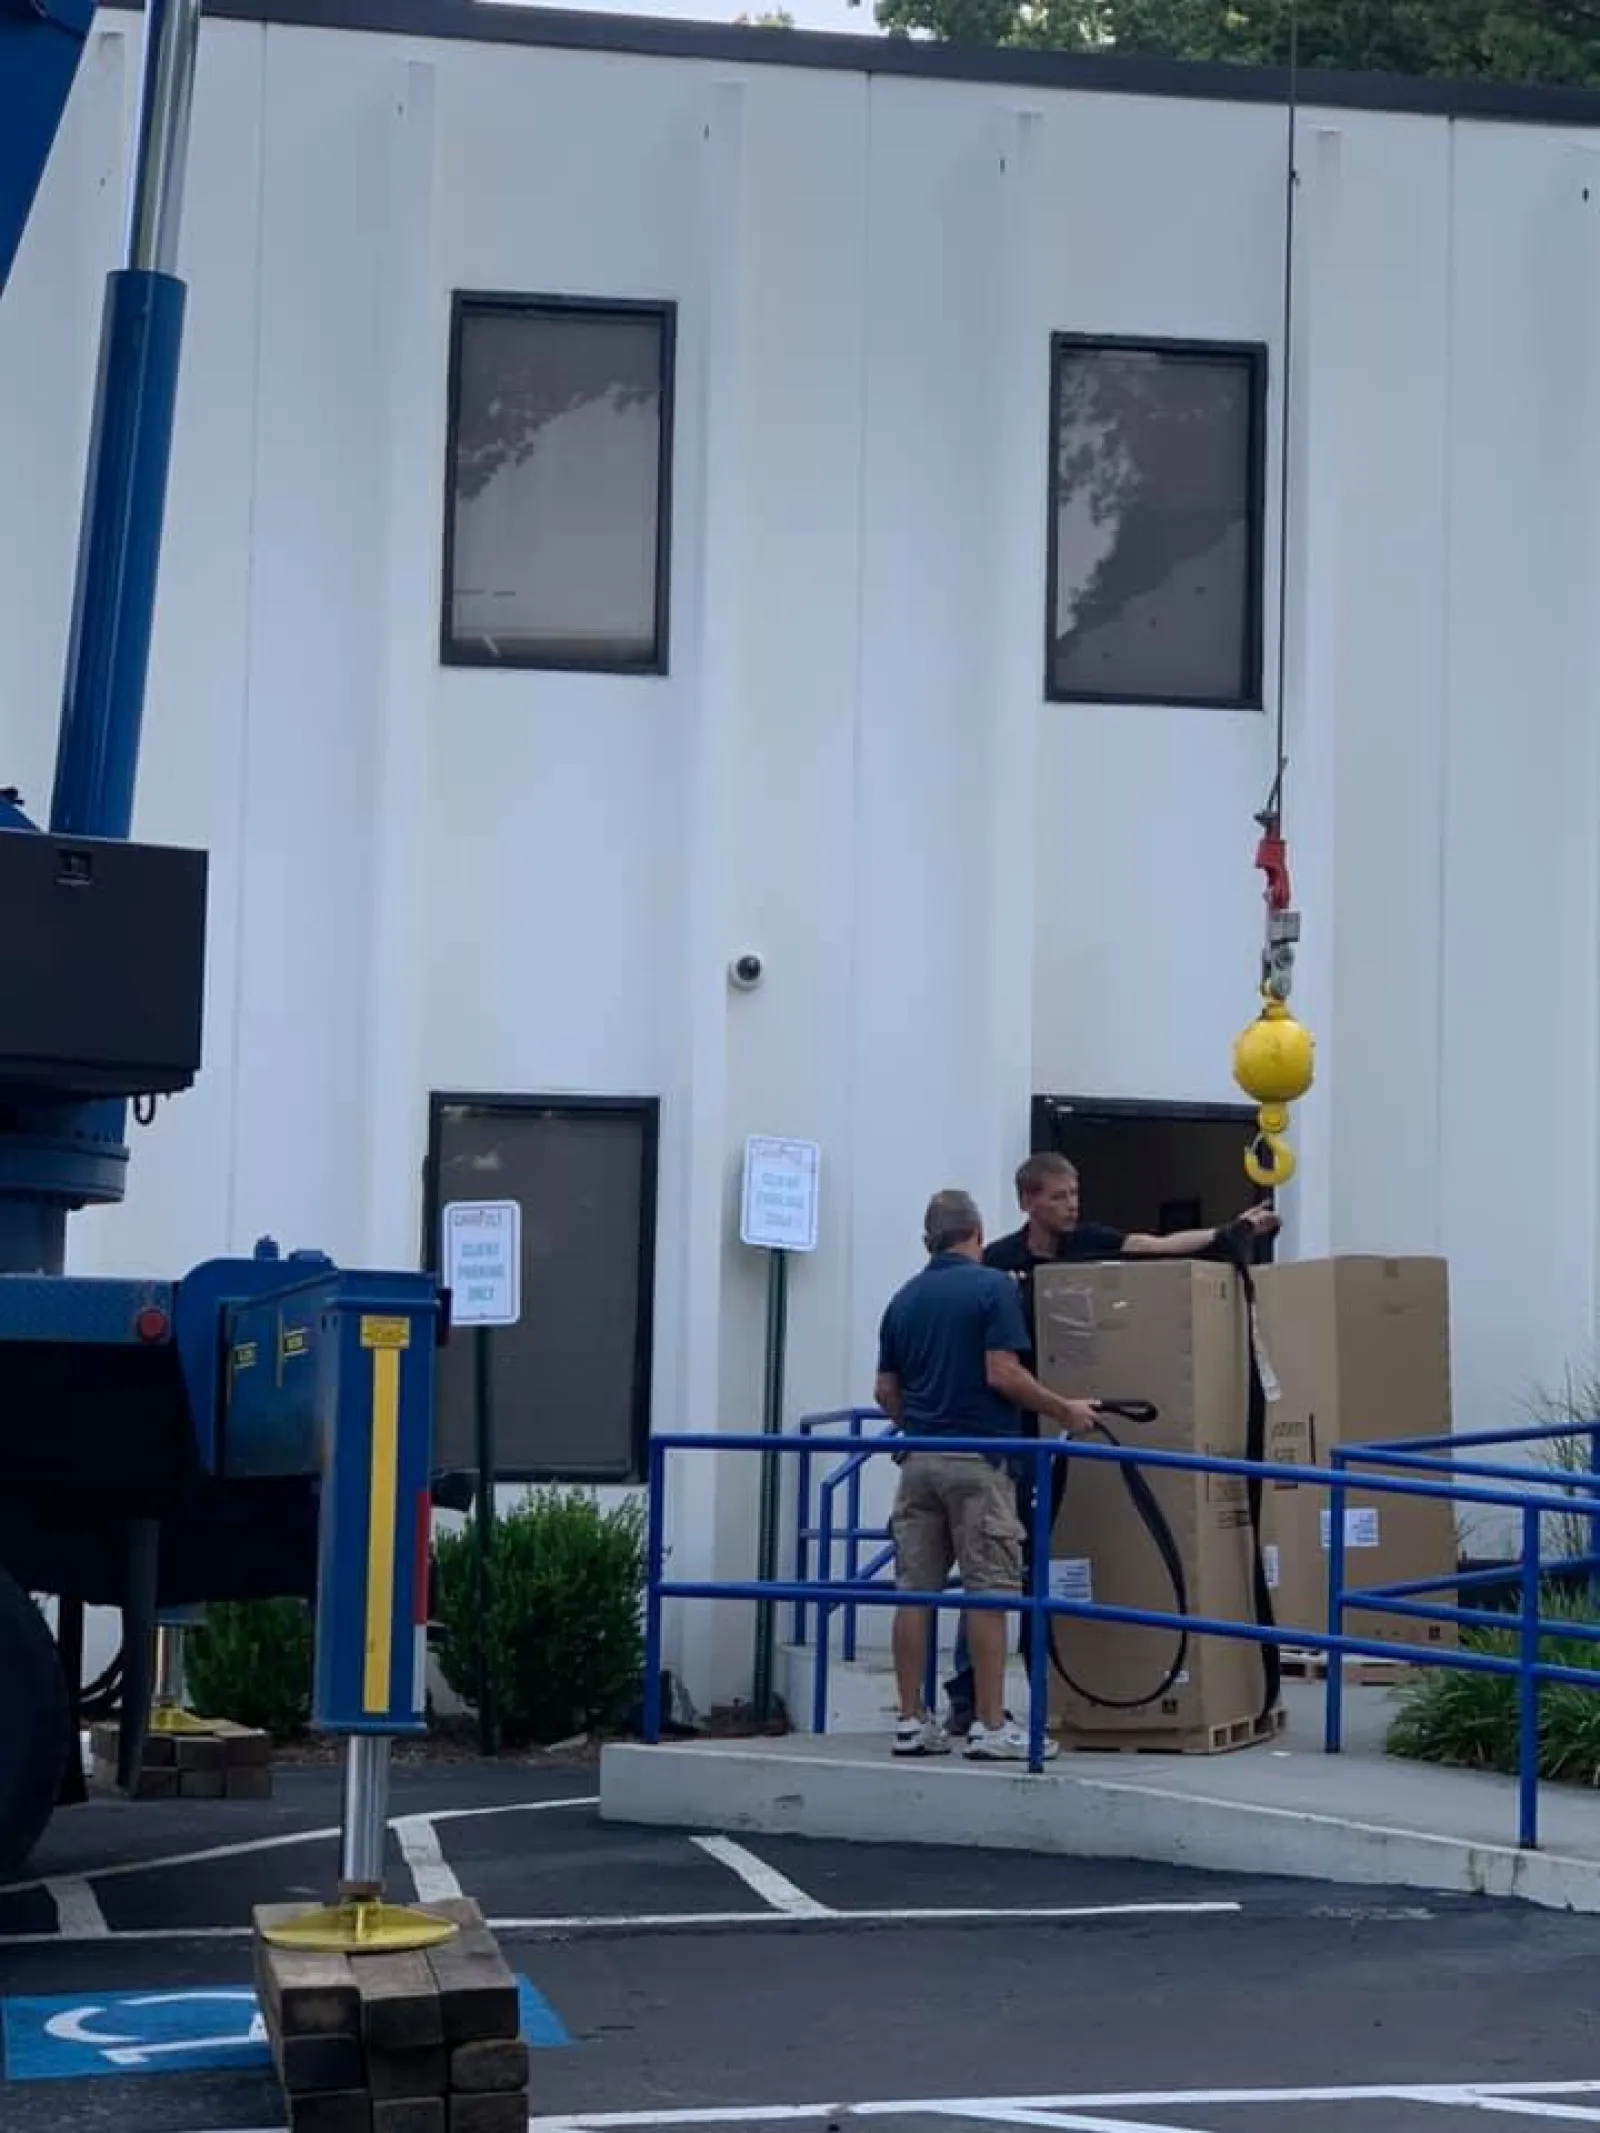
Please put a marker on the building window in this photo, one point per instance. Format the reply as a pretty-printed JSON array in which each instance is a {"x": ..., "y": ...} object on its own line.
[
  {"x": 558, "y": 496},
  {"x": 570, "y": 1382},
  {"x": 1156, "y": 499}
]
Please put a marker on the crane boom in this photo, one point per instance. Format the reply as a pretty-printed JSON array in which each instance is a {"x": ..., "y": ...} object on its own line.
[{"x": 149, "y": 1460}]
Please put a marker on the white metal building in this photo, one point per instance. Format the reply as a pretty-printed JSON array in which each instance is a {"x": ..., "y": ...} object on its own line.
[{"x": 814, "y": 571}]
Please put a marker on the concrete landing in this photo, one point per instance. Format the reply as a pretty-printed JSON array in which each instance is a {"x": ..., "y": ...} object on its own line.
[{"x": 1280, "y": 1809}]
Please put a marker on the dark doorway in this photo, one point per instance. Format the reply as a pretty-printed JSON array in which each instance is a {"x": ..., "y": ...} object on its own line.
[{"x": 1150, "y": 1167}]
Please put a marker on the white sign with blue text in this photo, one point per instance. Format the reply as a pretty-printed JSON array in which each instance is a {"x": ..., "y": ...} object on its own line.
[
  {"x": 483, "y": 1261},
  {"x": 778, "y": 1208}
]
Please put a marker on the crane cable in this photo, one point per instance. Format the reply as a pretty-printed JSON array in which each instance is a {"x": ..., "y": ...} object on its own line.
[
  {"x": 1273, "y": 1058},
  {"x": 1291, "y": 187}
]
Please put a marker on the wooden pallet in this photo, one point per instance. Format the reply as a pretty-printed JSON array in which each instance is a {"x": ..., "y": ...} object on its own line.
[
  {"x": 423, "y": 2043},
  {"x": 1220, "y": 1739},
  {"x": 1361, "y": 1670},
  {"x": 225, "y": 1762}
]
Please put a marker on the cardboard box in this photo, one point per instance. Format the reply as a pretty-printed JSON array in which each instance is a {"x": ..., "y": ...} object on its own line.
[
  {"x": 1174, "y": 1332},
  {"x": 1360, "y": 1347}
]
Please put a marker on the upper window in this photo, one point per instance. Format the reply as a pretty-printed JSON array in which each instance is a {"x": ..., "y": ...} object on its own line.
[
  {"x": 559, "y": 485},
  {"x": 1155, "y": 522}
]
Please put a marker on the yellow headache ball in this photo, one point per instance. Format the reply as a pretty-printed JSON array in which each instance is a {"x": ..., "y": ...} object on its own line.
[{"x": 1273, "y": 1060}]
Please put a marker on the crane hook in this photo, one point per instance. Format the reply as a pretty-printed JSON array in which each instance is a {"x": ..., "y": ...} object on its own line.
[{"x": 1274, "y": 1057}]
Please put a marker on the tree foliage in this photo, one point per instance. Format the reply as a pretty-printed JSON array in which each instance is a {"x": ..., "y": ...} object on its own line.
[{"x": 1529, "y": 41}]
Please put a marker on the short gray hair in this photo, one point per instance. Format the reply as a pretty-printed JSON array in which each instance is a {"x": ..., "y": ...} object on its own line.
[{"x": 952, "y": 1218}]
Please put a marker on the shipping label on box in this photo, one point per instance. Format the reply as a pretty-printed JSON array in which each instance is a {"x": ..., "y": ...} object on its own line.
[
  {"x": 1360, "y": 1527},
  {"x": 1072, "y": 1578}
]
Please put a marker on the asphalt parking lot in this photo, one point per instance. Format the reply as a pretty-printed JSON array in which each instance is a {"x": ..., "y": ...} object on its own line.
[{"x": 676, "y": 1979}]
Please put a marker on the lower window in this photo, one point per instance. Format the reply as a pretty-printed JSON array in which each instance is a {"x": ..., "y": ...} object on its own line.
[{"x": 569, "y": 1384}]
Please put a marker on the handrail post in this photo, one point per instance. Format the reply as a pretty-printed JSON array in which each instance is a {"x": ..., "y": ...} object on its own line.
[
  {"x": 819, "y": 1675},
  {"x": 802, "y": 1544},
  {"x": 852, "y": 1546},
  {"x": 1333, "y": 1705},
  {"x": 1528, "y": 1686},
  {"x": 1039, "y": 1623},
  {"x": 1594, "y": 1518},
  {"x": 655, "y": 1554}
]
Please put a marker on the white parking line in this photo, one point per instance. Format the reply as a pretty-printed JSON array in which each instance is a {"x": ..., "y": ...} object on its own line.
[
  {"x": 243, "y": 1850},
  {"x": 1079, "y": 2122},
  {"x": 676, "y": 1921},
  {"x": 1077, "y": 2113},
  {"x": 78, "y": 1912},
  {"x": 1522, "y": 2107},
  {"x": 419, "y": 1847},
  {"x": 771, "y": 1886},
  {"x": 1475, "y": 2095}
]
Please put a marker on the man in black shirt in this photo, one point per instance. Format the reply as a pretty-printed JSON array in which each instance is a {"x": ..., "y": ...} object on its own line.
[{"x": 1051, "y": 1232}]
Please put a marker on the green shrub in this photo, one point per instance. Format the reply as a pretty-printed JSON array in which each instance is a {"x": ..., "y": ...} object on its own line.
[
  {"x": 250, "y": 1661},
  {"x": 565, "y": 1631},
  {"x": 1564, "y": 1533},
  {"x": 1455, "y": 1716}
]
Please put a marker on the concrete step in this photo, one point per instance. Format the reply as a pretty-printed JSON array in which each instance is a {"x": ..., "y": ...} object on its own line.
[{"x": 1283, "y": 1808}]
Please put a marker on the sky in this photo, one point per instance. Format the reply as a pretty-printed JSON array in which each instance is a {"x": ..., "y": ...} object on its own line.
[{"x": 808, "y": 14}]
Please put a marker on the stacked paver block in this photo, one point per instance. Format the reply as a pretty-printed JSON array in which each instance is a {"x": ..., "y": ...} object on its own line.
[
  {"x": 423, "y": 2043},
  {"x": 225, "y": 1762}
]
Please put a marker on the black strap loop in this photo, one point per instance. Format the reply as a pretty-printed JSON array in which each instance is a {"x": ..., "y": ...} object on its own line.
[{"x": 1155, "y": 1522}]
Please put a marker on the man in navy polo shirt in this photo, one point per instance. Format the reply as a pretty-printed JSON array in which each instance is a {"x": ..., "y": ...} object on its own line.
[
  {"x": 950, "y": 1354},
  {"x": 1053, "y": 1232}
]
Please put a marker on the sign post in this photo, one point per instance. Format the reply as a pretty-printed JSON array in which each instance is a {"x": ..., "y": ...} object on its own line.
[
  {"x": 482, "y": 1261},
  {"x": 777, "y": 1214}
]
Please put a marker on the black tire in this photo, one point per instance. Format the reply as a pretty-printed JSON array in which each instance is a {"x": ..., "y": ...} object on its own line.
[{"x": 36, "y": 1734}]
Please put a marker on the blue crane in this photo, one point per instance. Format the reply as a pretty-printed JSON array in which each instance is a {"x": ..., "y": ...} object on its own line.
[{"x": 256, "y": 1427}]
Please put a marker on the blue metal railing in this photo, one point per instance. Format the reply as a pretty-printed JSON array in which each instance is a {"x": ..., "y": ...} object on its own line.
[
  {"x": 1530, "y": 1496},
  {"x": 846, "y": 1475}
]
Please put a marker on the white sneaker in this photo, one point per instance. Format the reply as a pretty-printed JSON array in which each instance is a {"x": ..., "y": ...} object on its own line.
[
  {"x": 1004, "y": 1744},
  {"x": 920, "y": 1736}
]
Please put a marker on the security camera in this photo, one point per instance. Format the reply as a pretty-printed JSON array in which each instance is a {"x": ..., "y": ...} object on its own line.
[{"x": 745, "y": 972}]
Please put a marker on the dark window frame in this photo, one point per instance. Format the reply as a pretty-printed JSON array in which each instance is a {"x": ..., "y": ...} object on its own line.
[
  {"x": 1251, "y": 357},
  {"x": 466, "y": 303},
  {"x": 647, "y": 1111}
]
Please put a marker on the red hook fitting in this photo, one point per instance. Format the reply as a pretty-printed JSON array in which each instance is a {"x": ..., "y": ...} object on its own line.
[{"x": 1272, "y": 857}]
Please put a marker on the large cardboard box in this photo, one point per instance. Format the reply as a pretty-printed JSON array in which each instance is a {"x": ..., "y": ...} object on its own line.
[
  {"x": 1360, "y": 1347},
  {"x": 1174, "y": 1332}
]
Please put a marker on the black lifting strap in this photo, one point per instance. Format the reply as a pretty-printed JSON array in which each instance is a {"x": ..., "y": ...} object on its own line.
[
  {"x": 1236, "y": 1243},
  {"x": 1234, "y": 1248},
  {"x": 1155, "y": 1523}
]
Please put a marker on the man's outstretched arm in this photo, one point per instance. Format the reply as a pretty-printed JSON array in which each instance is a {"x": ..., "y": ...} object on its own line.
[{"x": 1194, "y": 1243}]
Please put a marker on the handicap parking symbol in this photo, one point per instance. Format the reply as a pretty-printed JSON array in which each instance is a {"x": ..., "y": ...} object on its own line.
[
  {"x": 190, "y": 2032},
  {"x": 134, "y": 2033}
]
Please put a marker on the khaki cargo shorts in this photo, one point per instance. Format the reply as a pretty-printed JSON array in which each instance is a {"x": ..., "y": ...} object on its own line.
[{"x": 960, "y": 1508}]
